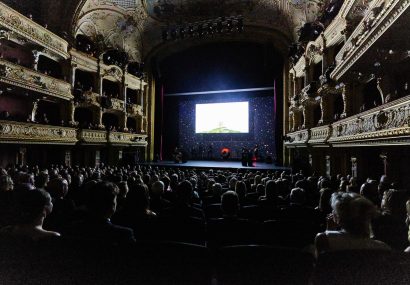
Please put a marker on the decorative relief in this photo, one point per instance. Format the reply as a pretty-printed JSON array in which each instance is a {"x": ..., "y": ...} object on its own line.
[
  {"x": 114, "y": 72},
  {"x": 92, "y": 136},
  {"x": 127, "y": 138},
  {"x": 26, "y": 132},
  {"x": 383, "y": 14},
  {"x": 134, "y": 110},
  {"x": 320, "y": 134},
  {"x": 391, "y": 120},
  {"x": 117, "y": 104},
  {"x": 32, "y": 31},
  {"x": 26, "y": 78},
  {"x": 84, "y": 61}
]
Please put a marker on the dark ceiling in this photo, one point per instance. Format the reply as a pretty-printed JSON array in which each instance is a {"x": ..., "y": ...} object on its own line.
[{"x": 221, "y": 66}]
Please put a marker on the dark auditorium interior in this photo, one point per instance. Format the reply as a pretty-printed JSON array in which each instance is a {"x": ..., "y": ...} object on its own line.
[{"x": 214, "y": 142}]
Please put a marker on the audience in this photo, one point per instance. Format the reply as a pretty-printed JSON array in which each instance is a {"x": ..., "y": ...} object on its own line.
[
  {"x": 352, "y": 215},
  {"x": 120, "y": 205}
]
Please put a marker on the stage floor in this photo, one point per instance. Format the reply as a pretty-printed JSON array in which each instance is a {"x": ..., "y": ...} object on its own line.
[{"x": 217, "y": 164}]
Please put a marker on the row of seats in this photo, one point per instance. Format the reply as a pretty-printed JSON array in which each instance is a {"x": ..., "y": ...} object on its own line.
[{"x": 73, "y": 262}]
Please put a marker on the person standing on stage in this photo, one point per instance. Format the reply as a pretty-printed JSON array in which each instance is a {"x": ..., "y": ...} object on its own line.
[
  {"x": 210, "y": 151},
  {"x": 256, "y": 152}
]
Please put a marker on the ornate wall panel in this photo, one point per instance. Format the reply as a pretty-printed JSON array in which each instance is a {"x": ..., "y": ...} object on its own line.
[
  {"x": 92, "y": 136},
  {"x": 127, "y": 139},
  {"x": 26, "y": 28},
  {"x": 17, "y": 75},
  {"x": 17, "y": 132}
]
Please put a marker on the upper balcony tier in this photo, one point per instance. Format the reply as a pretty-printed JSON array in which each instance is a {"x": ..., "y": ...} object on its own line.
[
  {"x": 17, "y": 75},
  {"x": 385, "y": 124},
  {"x": 31, "y": 31},
  {"x": 29, "y": 133},
  {"x": 387, "y": 20}
]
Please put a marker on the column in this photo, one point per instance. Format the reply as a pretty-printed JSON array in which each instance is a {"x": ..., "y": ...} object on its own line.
[
  {"x": 99, "y": 118},
  {"x": 123, "y": 121},
  {"x": 347, "y": 100},
  {"x": 36, "y": 55},
  {"x": 72, "y": 79},
  {"x": 71, "y": 112},
  {"x": 34, "y": 110},
  {"x": 100, "y": 84},
  {"x": 326, "y": 107}
]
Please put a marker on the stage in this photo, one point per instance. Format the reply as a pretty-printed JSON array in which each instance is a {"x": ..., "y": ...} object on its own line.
[{"x": 226, "y": 164}]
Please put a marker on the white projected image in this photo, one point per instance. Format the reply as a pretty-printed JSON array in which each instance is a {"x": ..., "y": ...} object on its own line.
[{"x": 222, "y": 118}]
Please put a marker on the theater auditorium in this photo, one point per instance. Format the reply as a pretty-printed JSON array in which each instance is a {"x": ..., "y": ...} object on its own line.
[{"x": 215, "y": 142}]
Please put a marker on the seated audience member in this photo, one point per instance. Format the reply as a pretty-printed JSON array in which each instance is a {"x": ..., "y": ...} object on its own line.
[
  {"x": 408, "y": 224},
  {"x": 230, "y": 229},
  {"x": 369, "y": 191},
  {"x": 390, "y": 226},
  {"x": 136, "y": 212},
  {"x": 102, "y": 204},
  {"x": 41, "y": 180},
  {"x": 182, "y": 207},
  {"x": 270, "y": 203},
  {"x": 241, "y": 190},
  {"x": 352, "y": 213},
  {"x": 63, "y": 208},
  {"x": 32, "y": 208},
  {"x": 158, "y": 203},
  {"x": 6, "y": 200},
  {"x": 297, "y": 209}
]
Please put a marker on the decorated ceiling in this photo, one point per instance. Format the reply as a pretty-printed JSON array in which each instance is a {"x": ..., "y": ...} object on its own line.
[{"x": 135, "y": 26}]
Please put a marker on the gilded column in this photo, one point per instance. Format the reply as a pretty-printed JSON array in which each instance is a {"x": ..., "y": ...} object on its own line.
[{"x": 347, "y": 100}]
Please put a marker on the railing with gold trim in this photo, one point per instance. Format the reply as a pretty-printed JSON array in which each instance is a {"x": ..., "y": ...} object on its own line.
[
  {"x": 117, "y": 104},
  {"x": 20, "y": 132},
  {"x": 390, "y": 120},
  {"x": 320, "y": 134},
  {"x": 134, "y": 110},
  {"x": 368, "y": 31},
  {"x": 127, "y": 139},
  {"x": 30, "y": 30},
  {"x": 17, "y": 75},
  {"x": 92, "y": 136},
  {"x": 298, "y": 137}
]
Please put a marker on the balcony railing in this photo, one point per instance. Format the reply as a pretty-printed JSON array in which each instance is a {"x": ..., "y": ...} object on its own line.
[
  {"x": 30, "y": 30},
  {"x": 298, "y": 138},
  {"x": 17, "y": 75},
  {"x": 92, "y": 136},
  {"x": 118, "y": 104},
  {"x": 368, "y": 31},
  {"x": 134, "y": 110},
  {"x": 127, "y": 139},
  {"x": 19, "y": 132},
  {"x": 390, "y": 121}
]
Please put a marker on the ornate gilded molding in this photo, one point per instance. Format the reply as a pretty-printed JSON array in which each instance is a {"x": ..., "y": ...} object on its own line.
[
  {"x": 18, "y": 132},
  {"x": 320, "y": 135},
  {"x": 90, "y": 99},
  {"x": 117, "y": 104},
  {"x": 113, "y": 72},
  {"x": 84, "y": 61},
  {"x": 32, "y": 31},
  {"x": 369, "y": 30},
  {"x": 17, "y": 75},
  {"x": 92, "y": 136},
  {"x": 298, "y": 138},
  {"x": 127, "y": 139},
  {"x": 134, "y": 110}
]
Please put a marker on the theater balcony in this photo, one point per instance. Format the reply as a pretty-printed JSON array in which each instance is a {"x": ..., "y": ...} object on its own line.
[
  {"x": 127, "y": 139},
  {"x": 117, "y": 105},
  {"x": 28, "y": 133},
  {"x": 387, "y": 124},
  {"x": 299, "y": 138},
  {"x": 31, "y": 32},
  {"x": 382, "y": 24},
  {"x": 16, "y": 75},
  {"x": 134, "y": 110},
  {"x": 92, "y": 137}
]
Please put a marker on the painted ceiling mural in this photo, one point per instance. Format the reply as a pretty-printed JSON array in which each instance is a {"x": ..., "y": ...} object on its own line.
[{"x": 135, "y": 25}]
